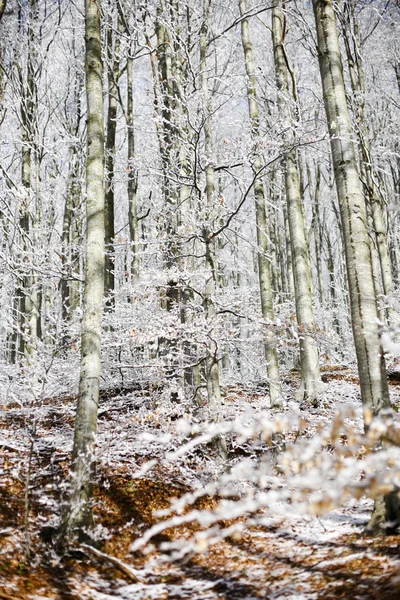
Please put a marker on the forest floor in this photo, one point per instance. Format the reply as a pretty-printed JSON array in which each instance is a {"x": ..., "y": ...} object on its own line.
[{"x": 310, "y": 558}]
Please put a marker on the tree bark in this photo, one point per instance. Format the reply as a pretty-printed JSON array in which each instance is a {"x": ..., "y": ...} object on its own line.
[
  {"x": 71, "y": 223},
  {"x": 364, "y": 313},
  {"x": 379, "y": 247},
  {"x": 264, "y": 266},
  {"x": 317, "y": 227},
  {"x": 78, "y": 515},
  {"x": 309, "y": 360},
  {"x": 113, "y": 60},
  {"x": 132, "y": 175},
  {"x": 212, "y": 364},
  {"x": 28, "y": 293},
  {"x": 3, "y": 4}
]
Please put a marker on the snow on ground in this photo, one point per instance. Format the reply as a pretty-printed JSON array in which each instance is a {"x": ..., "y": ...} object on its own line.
[{"x": 288, "y": 555}]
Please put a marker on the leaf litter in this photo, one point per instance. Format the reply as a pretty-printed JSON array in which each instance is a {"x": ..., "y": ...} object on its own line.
[{"x": 248, "y": 553}]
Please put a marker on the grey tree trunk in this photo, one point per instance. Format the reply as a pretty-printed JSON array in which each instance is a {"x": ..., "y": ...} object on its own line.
[
  {"x": 78, "y": 515},
  {"x": 370, "y": 359},
  {"x": 264, "y": 267},
  {"x": 333, "y": 284},
  {"x": 70, "y": 238},
  {"x": 303, "y": 285},
  {"x": 132, "y": 174},
  {"x": 113, "y": 60},
  {"x": 382, "y": 271},
  {"x": 70, "y": 295},
  {"x": 212, "y": 350},
  {"x": 3, "y": 4},
  {"x": 316, "y": 227},
  {"x": 167, "y": 136},
  {"x": 28, "y": 293}
]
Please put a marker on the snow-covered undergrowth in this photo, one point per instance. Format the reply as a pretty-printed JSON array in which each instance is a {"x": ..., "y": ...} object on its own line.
[
  {"x": 296, "y": 482},
  {"x": 296, "y": 465}
]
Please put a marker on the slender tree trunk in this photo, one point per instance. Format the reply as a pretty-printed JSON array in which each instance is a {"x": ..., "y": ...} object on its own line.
[
  {"x": 78, "y": 515},
  {"x": 309, "y": 360},
  {"x": 113, "y": 60},
  {"x": 264, "y": 267},
  {"x": 289, "y": 261},
  {"x": 3, "y": 4},
  {"x": 70, "y": 235},
  {"x": 370, "y": 359},
  {"x": 333, "y": 284},
  {"x": 395, "y": 225},
  {"x": 70, "y": 296},
  {"x": 212, "y": 350},
  {"x": 396, "y": 67},
  {"x": 167, "y": 136},
  {"x": 132, "y": 175},
  {"x": 166, "y": 130},
  {"x": 317, "y": 229},
  {"x": 28, "y": 308},
  {"x": 274, "y": 242}
]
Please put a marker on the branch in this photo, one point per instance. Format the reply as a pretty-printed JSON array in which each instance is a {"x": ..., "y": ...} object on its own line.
[
  {"x": 239, "y": 20},
  {"x": 145, "y": 215},
  {"x": 222, "y": 167},
  {"x": 115, "y": 561},
  {"x": 239, "y": 206}
]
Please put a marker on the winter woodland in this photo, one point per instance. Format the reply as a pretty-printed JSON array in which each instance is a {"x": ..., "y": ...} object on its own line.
[{"x": 200, "y": 309}]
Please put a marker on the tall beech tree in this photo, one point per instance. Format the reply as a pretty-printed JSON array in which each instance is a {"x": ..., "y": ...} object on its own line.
[
  {"x": 303, "y": 284},
  {"x": 113, "y": 74},
  {"x": 212, "y": 350},
  {"x": 363, "y": 303},
  {"x": 27, "y": 289},
  {"x": 71, "y": 231},
  {"x": 374, "y": 203},
  {"x": 264, "y": 267},
  {"x": 132, "y": 172},
  {"x": 78, "y": 514}
]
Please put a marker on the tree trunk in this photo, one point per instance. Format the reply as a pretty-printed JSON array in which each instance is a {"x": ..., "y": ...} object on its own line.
[
  {"x": 317, "y": 228},
  {"x": 212, "y": 365},
  {"x": 132, "y": 175},
  {"x": 78, "y": 515},
  {"x": 71, "y": 222},
  {"x": 332, "y": 285},
  {"x": 113, "y": 60},
  {"x": 2, "y": 8},
  {"x": 70, "y": 238},
  {"x": 370, "y": 359},
  {"x": 264, "y": 267},
  {"x": 309, "y": 360},
  {"x": 28, "y": 304},
  {"x": 379, "y": 247}
]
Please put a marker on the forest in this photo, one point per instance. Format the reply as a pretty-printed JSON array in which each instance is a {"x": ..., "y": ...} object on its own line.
[{"x": 199, "y": 299}]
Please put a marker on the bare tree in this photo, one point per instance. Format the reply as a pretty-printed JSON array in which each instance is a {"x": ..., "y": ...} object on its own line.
[
  {"x": 264, "y": 267},
  {"x": 364, "y": 313},
  {"x": 113, "y": 74},
  {"x": 368, "y": 174},
  {"x": 78, "y": 514},
  {"x": 309, "y": 360},
  {"x": 212, "y": 350}
]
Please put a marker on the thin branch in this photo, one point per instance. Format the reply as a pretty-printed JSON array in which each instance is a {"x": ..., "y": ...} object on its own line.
[
  {"x": 239, "y": 20},
  {"x": 115, "y": 561}
]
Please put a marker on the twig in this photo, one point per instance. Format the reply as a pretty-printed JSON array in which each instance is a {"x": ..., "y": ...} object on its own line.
[
  {"x": 26, "y": 495},
  {"x": 239, "y": 20},
  {"x": 115, "y": 561}
]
